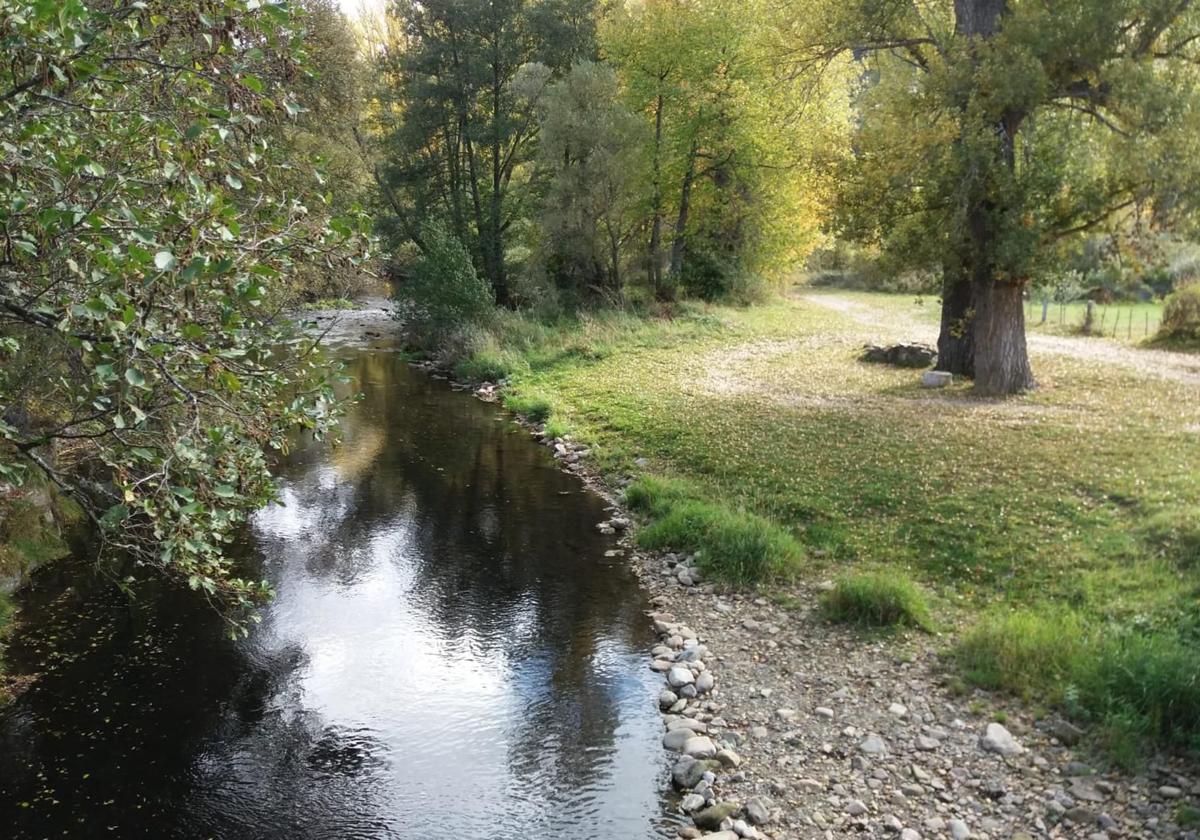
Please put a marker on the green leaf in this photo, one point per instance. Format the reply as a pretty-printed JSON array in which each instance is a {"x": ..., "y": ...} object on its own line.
[
  {"x": 224, "y": 491},
  {"x": 164, "y": 261},
  {"x": 135, "y": 377},
  {"x": 234, "y": 181}
]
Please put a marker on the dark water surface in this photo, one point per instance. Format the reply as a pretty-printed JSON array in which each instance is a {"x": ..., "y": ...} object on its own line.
[{"x": 450, "y": 655}]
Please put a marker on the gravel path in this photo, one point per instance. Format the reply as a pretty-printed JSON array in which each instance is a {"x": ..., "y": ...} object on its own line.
[{"x": 1163, "y": 364}]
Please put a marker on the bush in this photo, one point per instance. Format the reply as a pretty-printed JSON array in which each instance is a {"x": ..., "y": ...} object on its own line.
[
  {"x": 1181, "y": 316},
  {"x": 1024, "y": 652},
  {"x": 443, "y": 291},
  {"x": 878, "y": 600}
]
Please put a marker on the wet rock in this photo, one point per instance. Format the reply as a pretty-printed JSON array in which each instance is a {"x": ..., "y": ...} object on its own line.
[
  {"x": 666, "y": 699},
  {"x": 688, "y": 772},
  {"x": 692, "y": 802},
  {"x": 712, "y": 817}
]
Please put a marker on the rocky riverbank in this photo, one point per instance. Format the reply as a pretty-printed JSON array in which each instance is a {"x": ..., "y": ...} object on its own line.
[{"x": 786, "y": 726}]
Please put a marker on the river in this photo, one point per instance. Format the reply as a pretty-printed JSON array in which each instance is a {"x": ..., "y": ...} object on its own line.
[{"x": 450, "y": 654}]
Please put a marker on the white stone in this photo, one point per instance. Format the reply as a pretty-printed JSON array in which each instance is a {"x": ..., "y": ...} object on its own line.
[
  {"x": 936, "y": 379},
  {"x": 999, "y": 740},
  {"x": 680, "y": 676},
  {"x": 698, "y": 746}
]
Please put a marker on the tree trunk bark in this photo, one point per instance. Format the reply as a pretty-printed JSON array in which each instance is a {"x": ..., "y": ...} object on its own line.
[
  {"x": 685, "y": 205},
  {"x": 956, "y": 340},
  {"x": 1001, "y": 356},
  {"x": 656, "y": 203}
]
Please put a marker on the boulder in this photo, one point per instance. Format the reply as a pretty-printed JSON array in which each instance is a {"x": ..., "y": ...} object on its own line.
[{"x": 900, "y": 355}]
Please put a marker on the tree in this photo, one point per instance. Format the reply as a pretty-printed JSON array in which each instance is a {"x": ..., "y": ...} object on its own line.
[
  {"x": 469, "y": 91},
  {"x": 735, "y": 146},
  {"x": 1038, "y": 123},
  {"x": 145, "y": 231},
  {"x": 589, "y": 153}
]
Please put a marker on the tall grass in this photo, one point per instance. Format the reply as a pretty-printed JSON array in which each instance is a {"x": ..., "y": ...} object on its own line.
[
  {"x": 1138, "y": 689},
  {"x": 878, "y": 600},
  {"x": 733, "y": 545}
]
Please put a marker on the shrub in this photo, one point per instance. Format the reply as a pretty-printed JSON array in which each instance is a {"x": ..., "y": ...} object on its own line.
[
  {"x": 1181, "y": 315},
  {"x": 878, "y": 600},
  {"x": 1024, "y": 652},
  {"x": 443, "y": 289}
]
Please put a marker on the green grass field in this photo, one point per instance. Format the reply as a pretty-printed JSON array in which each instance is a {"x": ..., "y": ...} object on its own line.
[{"x": 988, "y": 505}]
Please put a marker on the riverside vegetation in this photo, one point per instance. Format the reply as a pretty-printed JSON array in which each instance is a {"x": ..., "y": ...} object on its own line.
[{"x": 1068, "y": 518}]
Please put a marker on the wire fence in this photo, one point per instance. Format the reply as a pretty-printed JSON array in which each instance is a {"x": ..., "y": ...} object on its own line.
[{"x": 1128, "y": 321}]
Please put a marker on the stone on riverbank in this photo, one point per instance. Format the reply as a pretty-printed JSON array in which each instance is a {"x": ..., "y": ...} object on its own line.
[{"x": 712, "y": 817}]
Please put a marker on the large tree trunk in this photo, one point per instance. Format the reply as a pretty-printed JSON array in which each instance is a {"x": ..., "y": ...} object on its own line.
[
  {"x": 956, "y": 340},
  {"x": 1001, "y": 357}
]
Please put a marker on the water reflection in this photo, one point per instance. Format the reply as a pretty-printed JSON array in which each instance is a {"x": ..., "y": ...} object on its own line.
[{"x": 449, "y": 654}]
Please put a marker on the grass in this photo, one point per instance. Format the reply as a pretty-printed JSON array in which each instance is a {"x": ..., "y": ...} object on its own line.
[
  {"x": 878, "y": 600},
  {"x": 329, "y": 303},
  {"x": 762, "y": 429},
  {"x": 731, "y": 544},
  {"x": 1138, "y": 688},
  {"x": 534, "y": 407}
]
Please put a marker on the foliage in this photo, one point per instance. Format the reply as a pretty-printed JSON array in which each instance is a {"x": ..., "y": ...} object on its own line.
[
  {"x": 467, "y": 79},
  {"x": 1181, "y": 317},
  {"x": 1037, "y": 125},
  {"x": 878, "y": 600},
  {"x": 443, "y": 291},
  {"x": 149, "y": 216},
  {"x": 587, "y": 154}
]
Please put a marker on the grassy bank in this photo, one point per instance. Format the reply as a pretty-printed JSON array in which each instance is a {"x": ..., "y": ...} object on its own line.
[{"x": 1082, "y": 494}]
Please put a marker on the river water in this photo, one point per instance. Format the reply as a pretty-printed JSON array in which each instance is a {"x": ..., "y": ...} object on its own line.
[{"x": 450, "y": 655}]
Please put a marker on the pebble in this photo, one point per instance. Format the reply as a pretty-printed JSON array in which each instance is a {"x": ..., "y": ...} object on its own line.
[
  {"x": 873, "y": 745},
  {"x": 959, "y": 830},
  {"x": 680, "y": 676},
  {"x": 856, "y": 808}
]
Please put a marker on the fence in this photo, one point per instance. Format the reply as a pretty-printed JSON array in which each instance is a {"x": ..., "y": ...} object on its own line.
[{"x": 1125, "y": 321}]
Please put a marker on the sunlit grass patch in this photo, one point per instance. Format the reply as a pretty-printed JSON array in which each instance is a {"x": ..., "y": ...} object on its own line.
[
  {"x": 533, "y": 406},
  {"x": 1026, "y": 652},
  {"x": 734, "y": 545},
  {"x": 878, "y": 600}
]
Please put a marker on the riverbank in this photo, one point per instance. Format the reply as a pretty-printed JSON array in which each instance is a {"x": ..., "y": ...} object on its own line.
[
  {"x": 36, "y": 525},
  {"x": 766, "y": 413}
]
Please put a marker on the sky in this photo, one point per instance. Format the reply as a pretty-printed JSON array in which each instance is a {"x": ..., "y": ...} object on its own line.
[{"x": 353, "y": 7}]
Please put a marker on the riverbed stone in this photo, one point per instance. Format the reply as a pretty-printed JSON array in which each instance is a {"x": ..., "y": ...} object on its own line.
[
  {"x": 758, "y": 811},
  {"x": 675, "y": 739},
  {"x": 666, "y": 699},
  {"x": 712, "y": 817},
  {"x": 689, "y": 772},
  {"x": 704, "y": 682},
  {"x": 699, "y": 746},
  {"x": 999, "y": 740},
  {"x": 691, "y": 802},
  {"x": 873, "y": 745},
  {"x": 679, "y": 676}
]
